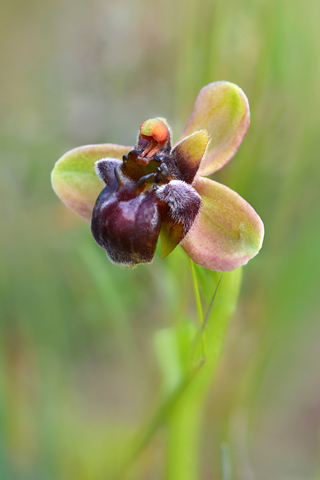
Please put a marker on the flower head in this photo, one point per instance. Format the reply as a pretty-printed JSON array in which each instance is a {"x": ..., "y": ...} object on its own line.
[{"x": 154, "y": 189}]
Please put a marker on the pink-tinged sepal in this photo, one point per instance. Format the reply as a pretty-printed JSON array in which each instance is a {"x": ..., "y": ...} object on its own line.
[
  {"x": 222, "y": 109},
  {"x": 227, "y": 232},
  {"x": 188, "y": 154},
  {"x": 182, "y": 206}
]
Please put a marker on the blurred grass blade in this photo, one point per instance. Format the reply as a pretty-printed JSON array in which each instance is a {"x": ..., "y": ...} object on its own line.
[{"x": 226, "y": 464}]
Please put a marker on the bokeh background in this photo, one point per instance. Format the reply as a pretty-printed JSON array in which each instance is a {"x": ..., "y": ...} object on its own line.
[{"x": 78, "y": 371}]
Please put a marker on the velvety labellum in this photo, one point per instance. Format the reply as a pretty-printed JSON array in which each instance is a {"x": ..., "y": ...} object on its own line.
[{"x": 127, "y": 225}]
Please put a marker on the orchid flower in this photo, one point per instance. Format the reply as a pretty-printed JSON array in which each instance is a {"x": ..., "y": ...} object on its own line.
[{"x": 133, "y": 195}]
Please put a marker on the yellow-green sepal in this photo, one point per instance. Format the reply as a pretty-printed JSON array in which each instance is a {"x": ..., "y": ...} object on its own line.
[{"x": 74, "y": 179}]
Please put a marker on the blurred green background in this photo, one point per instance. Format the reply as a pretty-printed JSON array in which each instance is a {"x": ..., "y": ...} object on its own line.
[{"x": 78, "y": 372}]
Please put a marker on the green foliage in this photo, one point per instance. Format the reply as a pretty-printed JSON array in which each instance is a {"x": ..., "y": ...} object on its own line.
[{"x": 79, "y": 377}]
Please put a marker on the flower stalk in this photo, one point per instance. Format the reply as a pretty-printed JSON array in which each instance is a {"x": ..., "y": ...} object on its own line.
[
  {"x": 199, "y": 306},
  {"x": 184, "y": 427}
]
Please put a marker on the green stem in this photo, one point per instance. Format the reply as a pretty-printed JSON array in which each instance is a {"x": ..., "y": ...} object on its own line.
[
  {"x": 198, "y": 303},
  {"x": 182, "y": 441},
  {"x": 186, "y": 417},
  {"x": 196, "y": 291}
]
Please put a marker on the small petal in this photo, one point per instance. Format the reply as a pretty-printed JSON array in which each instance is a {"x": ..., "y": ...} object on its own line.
[
  {"x": 183, "y": 205},
  {"x": 104, "y": 168},
  {"x": 227, "y": 232},
  {"x": 222, "y": 110},
  {"x": 188, "y": 154},
  {"x": 74, "y": 178}
]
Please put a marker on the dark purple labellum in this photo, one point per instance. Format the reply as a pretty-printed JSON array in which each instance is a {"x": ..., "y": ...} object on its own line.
[{"x": 127, "y": 225}]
